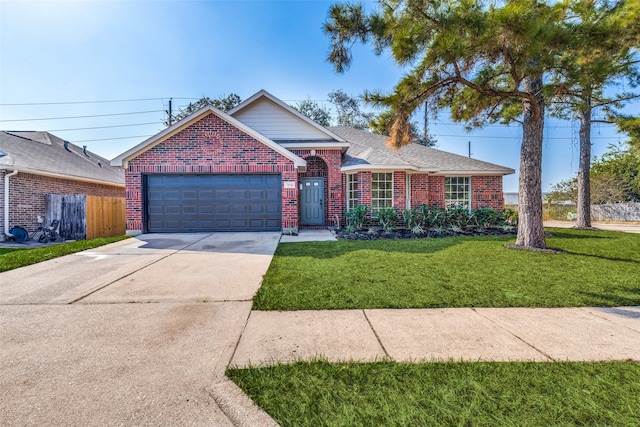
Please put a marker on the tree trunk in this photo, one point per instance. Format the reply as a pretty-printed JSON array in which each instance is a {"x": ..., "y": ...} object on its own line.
[
  {"x": 530, "y": 228},
  {"x": 584, "y": 169}
]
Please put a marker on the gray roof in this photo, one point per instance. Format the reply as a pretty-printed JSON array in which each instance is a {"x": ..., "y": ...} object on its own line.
[
  {"x": 369, "y": 150},
  {"x": 44, "y": 153}
]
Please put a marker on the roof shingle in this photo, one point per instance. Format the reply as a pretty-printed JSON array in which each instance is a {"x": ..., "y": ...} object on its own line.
[
  {"x": 370, "y": 150},
  {"x": 46, "y": 153}
]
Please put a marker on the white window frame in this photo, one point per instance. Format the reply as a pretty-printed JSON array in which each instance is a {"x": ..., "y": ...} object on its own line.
[
  {"x": 386, "y": 201},
  {"x": 353, "y": 199},
  {"x": 457, "y": 192}
]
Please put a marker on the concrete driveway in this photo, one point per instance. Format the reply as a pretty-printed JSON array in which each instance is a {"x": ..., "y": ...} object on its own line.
[{"x": 133, "y": 333}]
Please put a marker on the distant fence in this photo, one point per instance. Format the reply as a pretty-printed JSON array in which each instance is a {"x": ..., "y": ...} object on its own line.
[
  {"x": 616, "y": 212},
  {"x": 87, "y": 217}
]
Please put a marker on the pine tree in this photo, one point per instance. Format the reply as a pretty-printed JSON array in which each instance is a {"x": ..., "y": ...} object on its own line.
[{"x": 484, "y": 62}]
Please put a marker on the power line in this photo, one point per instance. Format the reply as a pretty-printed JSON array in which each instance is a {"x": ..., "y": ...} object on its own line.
[
  {"x": 518, "y": 136},
  {"x": 110, "y": 139},
  {"x": 84, "y": 117},
  {"x": 88, "y": 102},
  {"x": 103, "y": 127}
]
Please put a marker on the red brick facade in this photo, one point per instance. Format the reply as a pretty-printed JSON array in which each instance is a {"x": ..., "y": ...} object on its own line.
[
  {"x": 486, "y": 191},
  {"x": 28, "y": 196},
  {"x": 210, "y": 145}
]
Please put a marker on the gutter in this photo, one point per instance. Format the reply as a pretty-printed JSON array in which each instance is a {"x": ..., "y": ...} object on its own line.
[{"x": 6, "y": 202}]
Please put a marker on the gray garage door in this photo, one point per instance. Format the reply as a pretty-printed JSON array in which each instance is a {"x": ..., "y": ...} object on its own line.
[{"x": 192, "y": 203}]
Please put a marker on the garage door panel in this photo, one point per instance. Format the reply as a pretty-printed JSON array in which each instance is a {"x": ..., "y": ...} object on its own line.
[{"x": 191, "y": 203}]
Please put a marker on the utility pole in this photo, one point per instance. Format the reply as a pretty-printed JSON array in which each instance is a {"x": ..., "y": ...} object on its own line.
[
  {"x": 426, "y": 121},
  {"x": 469, "y": 148},
  {"x": 170, "y": 112}
]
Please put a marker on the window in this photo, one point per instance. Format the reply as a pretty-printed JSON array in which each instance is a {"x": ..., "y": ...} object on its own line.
[
  {"x": 381, "y": 191},
  {"x": 457, "y": 190},
  {"x": 352, "y": 191}
]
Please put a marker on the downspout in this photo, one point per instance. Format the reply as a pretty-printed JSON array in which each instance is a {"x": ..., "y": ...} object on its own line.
[{"x": 6, "y": 202}]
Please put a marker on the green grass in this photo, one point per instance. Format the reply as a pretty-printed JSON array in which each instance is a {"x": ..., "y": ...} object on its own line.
[
  {"x": 597, "y": 268},
  {"x": 446, "y": 394},
  {"x": 11, "y": 258}
]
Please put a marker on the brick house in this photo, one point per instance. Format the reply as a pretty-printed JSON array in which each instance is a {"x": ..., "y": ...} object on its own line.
[
  {"x": 36, "y": 164},
  {"x": 263, "y": 166}
]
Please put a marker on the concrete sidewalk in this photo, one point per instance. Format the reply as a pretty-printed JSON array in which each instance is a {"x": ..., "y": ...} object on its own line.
[{"x": 466, "y": 334}]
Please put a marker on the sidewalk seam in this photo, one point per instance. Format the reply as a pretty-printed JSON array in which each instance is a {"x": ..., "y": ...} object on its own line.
[
  {"x": 235, "y": 348},
  {"x": 511, "y": 333},
  {"x": 386, "y": 353}
]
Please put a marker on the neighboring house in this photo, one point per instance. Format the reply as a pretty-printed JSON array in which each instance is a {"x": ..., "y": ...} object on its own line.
[
  {"x": 36, "y": 164},
  {"x": 263, "y": 166}
]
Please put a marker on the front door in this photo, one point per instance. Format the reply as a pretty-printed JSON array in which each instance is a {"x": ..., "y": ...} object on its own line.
[{"x": 312, "y": 201}]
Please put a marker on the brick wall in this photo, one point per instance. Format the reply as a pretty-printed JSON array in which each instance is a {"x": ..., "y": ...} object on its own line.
[
  {"x": 486, "y": 192},
  {"x": 28, "y": 196},
  {"x": 430, "y": 190},
  {"x": 211, "y": 145},
  {"x": 399, "y": 190},
  {"x": 419, "y": 190},
  {"x": 435, "y": 189},
  {"x": 326, "y": 164}
]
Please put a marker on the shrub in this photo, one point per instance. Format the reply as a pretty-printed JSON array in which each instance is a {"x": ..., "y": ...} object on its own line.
[
  {"x": 387, "y": 218},
  {"x": 432, "y": 217},
  {"x": 458, "y": 216},
  {"x": 487, "y": 217},
  {"x": 412, "y": 218},
  {"x": 355, "y": 217},
  {"x": 510, "y": 216}
]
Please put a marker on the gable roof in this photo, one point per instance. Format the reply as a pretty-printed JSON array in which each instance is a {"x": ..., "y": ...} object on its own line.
[
  {"x": 369, "y": 151},
  {"x": 281, "y": 118},
  {"x": 122, "y": 159},
  {"x": 42, "y": 153}
]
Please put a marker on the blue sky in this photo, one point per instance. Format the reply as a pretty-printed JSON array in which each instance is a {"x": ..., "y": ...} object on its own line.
[{"x": 55, "y": 53}]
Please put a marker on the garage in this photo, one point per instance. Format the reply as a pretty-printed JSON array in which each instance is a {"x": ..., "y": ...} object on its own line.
[{"x": 213, "y": 202}]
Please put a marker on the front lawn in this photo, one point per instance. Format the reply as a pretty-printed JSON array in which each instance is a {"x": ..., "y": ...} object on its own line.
[
  {"x": 20, "y": 257},
  {"x": 446, "y": 394},
  {"x": 597, "y": 268}
]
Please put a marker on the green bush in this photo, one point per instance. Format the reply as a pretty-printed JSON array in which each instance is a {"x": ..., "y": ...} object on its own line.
[
  {"x": 432, "y": 217},
  {"x": 487, "y": 217},
  {"x": 412, "y": 218},
  {"x": 387, "y": 218},
  {"x": 355, "y": 217},
  {"x": 510, "y": 216},
  {"x": 458, "y": 216}
]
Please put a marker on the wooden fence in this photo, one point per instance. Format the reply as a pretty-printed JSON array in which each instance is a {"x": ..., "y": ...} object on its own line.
[
  {"x": 105, "y": 217},
  {"x": 87, "y": 217}
]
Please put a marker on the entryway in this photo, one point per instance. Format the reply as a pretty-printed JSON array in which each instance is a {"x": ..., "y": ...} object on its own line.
[{"x": 312, "y": 201}]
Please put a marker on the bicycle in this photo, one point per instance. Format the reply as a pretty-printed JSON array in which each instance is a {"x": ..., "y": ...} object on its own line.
[{"x": 48, "y": 233}]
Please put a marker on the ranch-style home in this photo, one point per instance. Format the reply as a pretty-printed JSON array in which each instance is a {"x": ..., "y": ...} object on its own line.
[{"x": 263, "y": 166}]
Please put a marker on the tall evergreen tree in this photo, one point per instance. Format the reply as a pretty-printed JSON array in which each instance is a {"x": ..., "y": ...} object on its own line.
[
  {"x": 602, "y": 53},
  {"x": 485, "y": 62}
]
